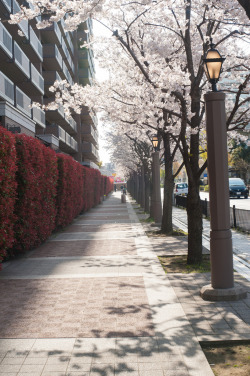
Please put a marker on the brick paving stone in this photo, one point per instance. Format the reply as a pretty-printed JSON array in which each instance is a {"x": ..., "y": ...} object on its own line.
[
  {"x": 104, "y": 217},
  {"x": 211, "y": 318},
  {"x": 85, "y": 248},
  {"x": 59, "y": 295},
  {"x": 97, "y": 228}
]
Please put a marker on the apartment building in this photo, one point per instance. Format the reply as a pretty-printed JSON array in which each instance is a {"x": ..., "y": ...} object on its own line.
[{"x": 30, "y": 61}]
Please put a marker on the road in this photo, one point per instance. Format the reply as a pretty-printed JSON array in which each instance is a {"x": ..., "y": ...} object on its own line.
[
  {"x": 241, "y": 242},
  {"x": 240, "y": 203}
]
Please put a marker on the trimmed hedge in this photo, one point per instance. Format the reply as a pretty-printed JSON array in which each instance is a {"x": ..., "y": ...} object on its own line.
[
  {"x": 41, "y": 191},
  {"x": 35, "y": 207},
  {"x": 69, "y": 198},
  {"x": 8, "y": 187}
]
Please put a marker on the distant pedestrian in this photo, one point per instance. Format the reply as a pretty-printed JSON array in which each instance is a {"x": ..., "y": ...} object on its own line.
[
  {"x": 115, "y": 188},
  {"x": 124, "y": 190},
  {"x": 121, "y": 187}
]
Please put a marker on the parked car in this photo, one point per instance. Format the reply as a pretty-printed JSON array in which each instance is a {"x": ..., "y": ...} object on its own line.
[
  {"x": 181, "y": 189},
  {"x": 237, "y": 188}
]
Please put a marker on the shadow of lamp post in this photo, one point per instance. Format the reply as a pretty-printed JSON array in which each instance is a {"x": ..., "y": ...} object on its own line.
[
  {"x": 156, "y": 207},
  {"x": 221, "y": 253}
]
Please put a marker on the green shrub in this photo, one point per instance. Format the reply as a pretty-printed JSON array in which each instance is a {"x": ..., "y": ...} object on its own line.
[{"x": 206, "y": 188}]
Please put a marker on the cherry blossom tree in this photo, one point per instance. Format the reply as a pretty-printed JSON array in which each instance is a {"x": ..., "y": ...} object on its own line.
[{"x": 157, "y": 79}]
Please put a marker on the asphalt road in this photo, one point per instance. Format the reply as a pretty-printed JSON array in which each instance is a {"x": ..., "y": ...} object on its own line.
[{"x": 240, "y": 203}]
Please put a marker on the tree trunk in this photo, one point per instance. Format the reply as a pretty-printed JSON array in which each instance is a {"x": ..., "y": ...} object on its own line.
[
  {"x": 194, "y": 211},
  {"x": 167, "y": 224},
  {"x": 136, "y": 187},
  {"x": 246, "y": 5},
  {"x": 151, "y": 191},
  {"x": 147, "y": 193},
  {"x": 142, "y": 188}
]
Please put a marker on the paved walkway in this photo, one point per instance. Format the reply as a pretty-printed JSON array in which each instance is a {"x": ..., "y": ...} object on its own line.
[
  {"x": 94, "y": 300},
  {"x": 241, "y": 242}
]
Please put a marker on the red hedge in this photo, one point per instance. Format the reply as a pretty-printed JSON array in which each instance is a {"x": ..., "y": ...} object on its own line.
[
  {"x": 7, "y": 190},
  {"x": 37, "y": 179},
  {"x": 41, "y": 190},
  {"x": 69, "y": 190}
]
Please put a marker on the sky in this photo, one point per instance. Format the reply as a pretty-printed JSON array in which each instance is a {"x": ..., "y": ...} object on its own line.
[{"x": 101, "y": 74}]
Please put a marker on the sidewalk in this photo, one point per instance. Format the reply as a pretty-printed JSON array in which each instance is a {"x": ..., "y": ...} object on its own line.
[
  {"x": 95, "y": 301},
  {"x": 241, "y": 242}
]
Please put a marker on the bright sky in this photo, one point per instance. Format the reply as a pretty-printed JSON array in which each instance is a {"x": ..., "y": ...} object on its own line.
[{"x": 101, "y": 74}]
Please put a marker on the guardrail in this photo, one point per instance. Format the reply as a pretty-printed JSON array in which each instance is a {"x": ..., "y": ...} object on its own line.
[{"x": 239, "y": 218}]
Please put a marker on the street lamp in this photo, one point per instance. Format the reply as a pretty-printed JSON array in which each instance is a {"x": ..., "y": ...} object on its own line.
[
  {"x": 221, "y": 251},
  {"x": 213, "y": 65},
  {"x": 155, "y": 142},
  {"x": 156, "y": 207}
]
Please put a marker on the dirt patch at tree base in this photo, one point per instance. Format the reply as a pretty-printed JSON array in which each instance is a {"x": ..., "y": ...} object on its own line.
[
  {"x": 178, "y": 264},
  {"x": 229, "y": 360}
]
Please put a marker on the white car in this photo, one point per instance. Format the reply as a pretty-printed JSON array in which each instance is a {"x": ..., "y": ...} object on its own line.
[{"x": 180, "y": 189}]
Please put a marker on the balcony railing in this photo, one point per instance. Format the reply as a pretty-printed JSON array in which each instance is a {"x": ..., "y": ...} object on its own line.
[
  {"x": 36, "y": 44},
  {"x": 7, "y": 4},
  {"x": 67, "y": 74},
  {"x": 65, "y": 49},
  {"x": 50, "y": 77},
  {"x": 70, "y": 42},
  {"x": 67, "y": 139},
  {"x": 24, "y": 26},
  {"x": 72, "y": 122},
  {"x": 39, "y": 116},
  {"x": 6, "y": 88},
  {"x": 61, "y": 134},
  {"x": 6, "y": 40},
  {"x": 37, "y": 79},
  {"x": 73, "y": 144},
  {"x": 89, "y": 148},
  {"x": 51, "y": 51},
  {"x": 61, "y": 110},
  {"x": 89, "y": 133},
  {"x": 23, "y": 102},
  {"x": 21, "y": 60}
]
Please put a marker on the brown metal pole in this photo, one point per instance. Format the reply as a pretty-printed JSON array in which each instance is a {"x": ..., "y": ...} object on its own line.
[
  {"x": 221, "y": 252},
  {"x": 156, "y": 194}
]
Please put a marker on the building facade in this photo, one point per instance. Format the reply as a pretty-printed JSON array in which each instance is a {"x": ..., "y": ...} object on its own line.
[{"x": 30, "y": 61}]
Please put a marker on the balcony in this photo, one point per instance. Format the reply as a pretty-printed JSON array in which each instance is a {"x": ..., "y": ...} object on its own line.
[
  {"x": 65, "y": 51},
  {"x": 21, "y": 61},
  {"x": 37, "y": 79},
  {"x": 36, "y": 44},
  {"x": 72, "y": 123},
  {"x": 90, "y": 151},
  {"x": 5, "y": 6},
  {"x": 49, "y": 78},
  {"x": 85, "y": 77},
  {"x": 73, "y": 144},
  {"x": 38, "y": 116},
  {"x": 6, "y": 89},
  {"x": 67, "y": 139},
  {"x": 52, "y": 34},
  {"x": 57, "y": 131},
  {"x": 66, "y": 74},
  {"x": 88, "y": 118},
  {"x": 86, "y": 59},
  {"x": 71, "y": 46},
  {"x": 23, "y": 25},
  {"x": 89, "y": 134},
  {"x": 52, "y": 57},
  {"x": 23, "y": 102},
  {"x": 57, "y": 116},
  {"x": 5, "y": 42}
]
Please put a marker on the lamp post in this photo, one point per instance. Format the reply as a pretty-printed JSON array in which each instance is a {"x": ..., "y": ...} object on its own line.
[
  {"x": 221, "y": 252},
  {"x": 156, "y": 187}
]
